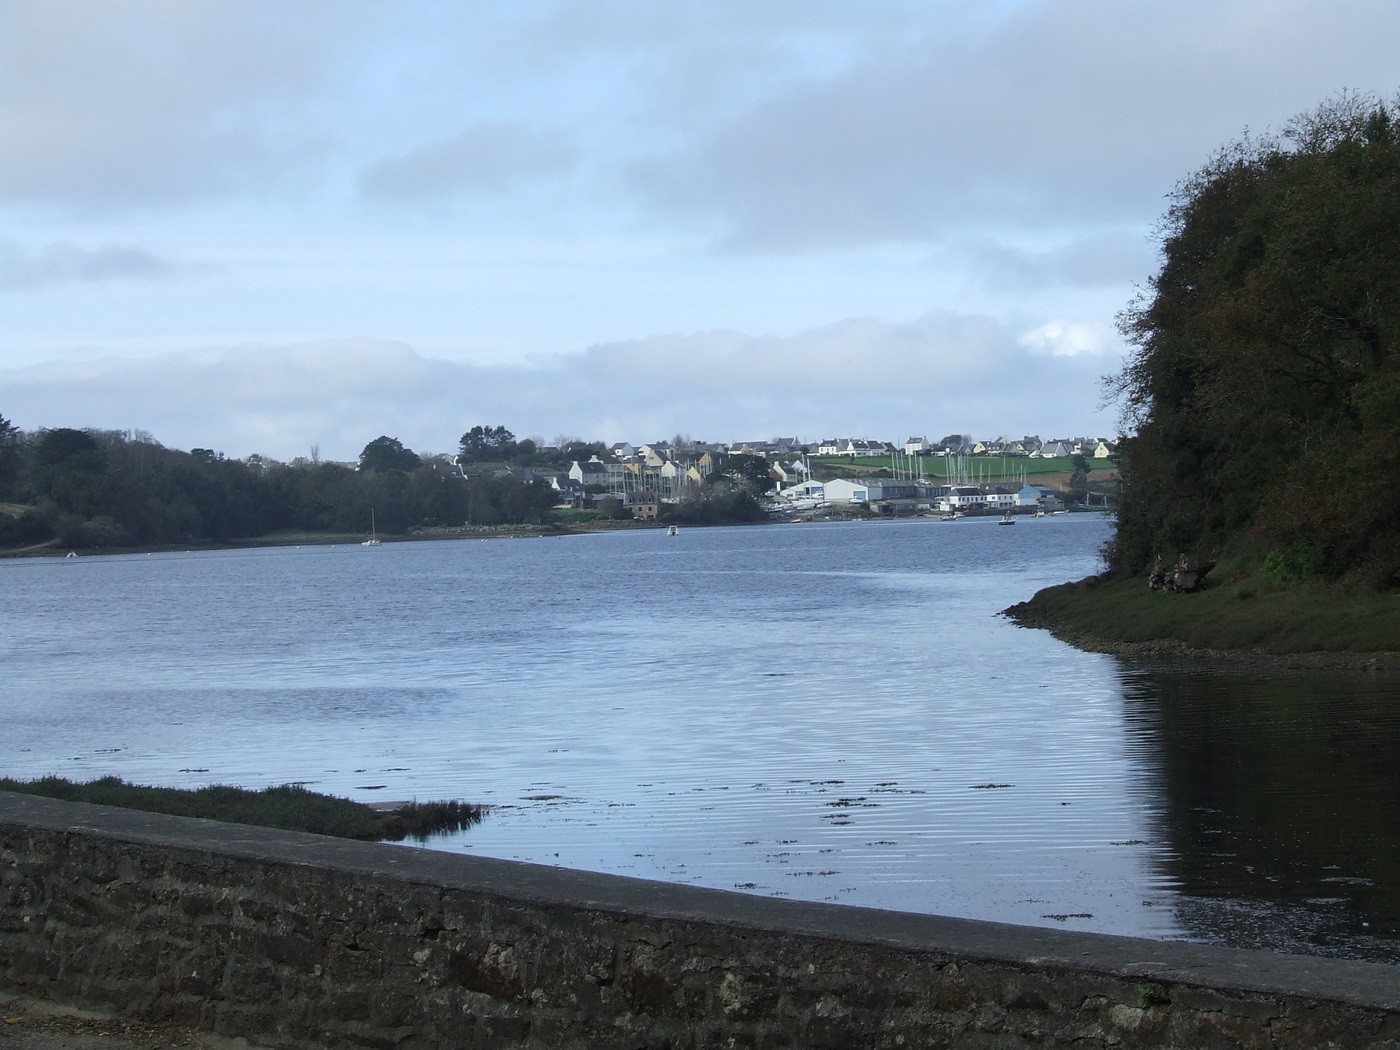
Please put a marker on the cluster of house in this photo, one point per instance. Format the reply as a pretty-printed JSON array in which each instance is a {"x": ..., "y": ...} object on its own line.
[
  {"x": 897, "y": 496},
  {"x": 1030, "y": 446},
  {"x": 645, "y": 477}
]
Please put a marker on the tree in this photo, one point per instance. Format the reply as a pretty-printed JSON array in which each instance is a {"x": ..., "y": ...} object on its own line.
[
  {"x": 746, "y": 469},
  {"x": 487, "y": 444},
  {"x": 713, "y": 504},
  {"x": 65, "y": 465},
  {"x": 385, "y": 453},
  {"x": 573, "y": 448},
  {"x": 1079, "y": 478},
  {"x": 508, "y": 500},
  {"x": 526, "y": 452},
  {"x": 9, "y": 457},
  {"x": 1267, "y": 355}
]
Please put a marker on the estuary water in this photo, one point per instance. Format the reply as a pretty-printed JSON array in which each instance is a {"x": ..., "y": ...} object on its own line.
[{"x": 820, "y": 711}]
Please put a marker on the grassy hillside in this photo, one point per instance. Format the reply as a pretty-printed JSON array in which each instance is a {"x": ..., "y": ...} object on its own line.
[{"x": 988, "y": 468}]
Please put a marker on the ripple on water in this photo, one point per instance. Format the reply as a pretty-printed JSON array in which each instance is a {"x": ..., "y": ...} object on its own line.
[{"x": 831, "y": 713}]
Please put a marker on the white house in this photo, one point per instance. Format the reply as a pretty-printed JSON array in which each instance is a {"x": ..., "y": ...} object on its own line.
[
  {"x": 916, "y": 446},
  {"x": 592, "y": 472},
  {"x": 862, "y": 448},
  {"x": 963, "y": 498},
  {"x": 998, "y": 497}
]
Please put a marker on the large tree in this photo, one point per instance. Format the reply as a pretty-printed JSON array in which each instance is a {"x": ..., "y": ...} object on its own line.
[
  {"x": 385, "y": 453},
  {"x": 9, "y": 457},
  {"x": 745, "y": 469},
  {"x": 1264, "y": 388},
  {"x": 487, "y": 444}
]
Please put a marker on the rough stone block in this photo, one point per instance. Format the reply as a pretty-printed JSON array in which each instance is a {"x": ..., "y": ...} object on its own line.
[{"x": 287, "y": 942}]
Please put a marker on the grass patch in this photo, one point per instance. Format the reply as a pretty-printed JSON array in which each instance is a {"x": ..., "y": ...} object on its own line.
[
  {"x": 572, "y": 516},
  {"x": 1251, "y": 613},
  {"x": 989, "y": 468},
  {"x": 289, "y": 807},
  {"x": 419, "y": 820}
]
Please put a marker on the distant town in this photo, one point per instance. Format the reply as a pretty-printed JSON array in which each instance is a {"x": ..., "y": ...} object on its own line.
[
  {"x": 955, "y": 476},
  {"x": 65, "y": 489}
]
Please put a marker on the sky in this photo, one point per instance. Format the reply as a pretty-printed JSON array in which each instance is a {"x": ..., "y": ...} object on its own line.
[{"x": 268, "y": 227}]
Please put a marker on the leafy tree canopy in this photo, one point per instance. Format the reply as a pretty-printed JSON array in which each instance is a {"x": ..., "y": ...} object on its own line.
[
  {"x": 571, "y": 449},
  {"x": 488, "y": 444},
  {"x": 1264, "y": 387},
  {"x": 746, "y": 469},
  {"x": 9, "y": 456},
  {"x": 385, "y": 453}
]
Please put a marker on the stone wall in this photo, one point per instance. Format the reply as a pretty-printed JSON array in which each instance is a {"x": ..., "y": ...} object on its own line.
[{"x": 299, "y": 941}]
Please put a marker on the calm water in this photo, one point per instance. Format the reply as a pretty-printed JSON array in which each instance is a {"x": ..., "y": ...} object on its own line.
[{"x": 827, "y": 712}]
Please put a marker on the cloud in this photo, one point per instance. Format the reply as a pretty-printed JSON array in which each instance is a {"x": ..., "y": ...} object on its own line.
[
  {"x": 943, "y": 372},
  {"x": 24, "y": 269},
  {"x": 275, "y": 400},
  {"x": 1105, "y": 259},
  {"x": 158, "y": 101},
  {"x": 488, "y": 157},
  {"x": 1063, "y": 112},
  {"x": 1072, "y": 339}
]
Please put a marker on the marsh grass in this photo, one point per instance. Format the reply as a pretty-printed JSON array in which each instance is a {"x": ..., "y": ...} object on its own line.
[
  {"x": 289, "y": 807},
  {"x": 421, "y": 820}
]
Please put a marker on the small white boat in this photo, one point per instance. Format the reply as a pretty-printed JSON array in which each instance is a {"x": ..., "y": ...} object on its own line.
[
  {"x": 1007, "y": 519},
  {"x": 373, "y": 540},
  {"x": 673, "y": 530}
]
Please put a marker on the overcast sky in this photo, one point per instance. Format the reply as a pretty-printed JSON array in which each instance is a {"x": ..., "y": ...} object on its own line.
[{"x": 260, "y": 227}]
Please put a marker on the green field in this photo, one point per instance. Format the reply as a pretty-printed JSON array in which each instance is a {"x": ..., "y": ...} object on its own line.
[{"x": 974, "y": 468}]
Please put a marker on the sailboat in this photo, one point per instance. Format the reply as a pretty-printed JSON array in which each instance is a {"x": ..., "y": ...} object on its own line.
[{"x": 373, "y": 540}]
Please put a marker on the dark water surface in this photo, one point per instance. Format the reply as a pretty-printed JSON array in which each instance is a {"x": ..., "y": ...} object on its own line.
[{"x": 827, "y": 712}]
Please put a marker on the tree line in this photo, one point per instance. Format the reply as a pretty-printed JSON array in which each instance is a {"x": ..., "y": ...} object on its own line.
[
  {"x": 101, "y": 488},
  {"x": 1264, "y": 385},
  {"x": 89, "y": 488}
]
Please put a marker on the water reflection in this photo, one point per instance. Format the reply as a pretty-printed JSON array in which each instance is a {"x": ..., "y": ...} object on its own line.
[
  {"x": 1278, "y": 801},
  {"x": 831, "y": 712}
]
